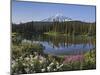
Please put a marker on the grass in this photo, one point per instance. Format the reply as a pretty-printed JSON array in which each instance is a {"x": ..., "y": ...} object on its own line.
[{"x": 53, "y": 33}]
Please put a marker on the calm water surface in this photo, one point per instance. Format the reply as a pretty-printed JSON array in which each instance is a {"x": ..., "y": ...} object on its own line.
[{"x": 64, "y": 45}]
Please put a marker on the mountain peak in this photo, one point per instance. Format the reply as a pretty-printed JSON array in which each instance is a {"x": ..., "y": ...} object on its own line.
[
  {"x": 58, "y": 14},
  {"x": 57, "y": 17}
]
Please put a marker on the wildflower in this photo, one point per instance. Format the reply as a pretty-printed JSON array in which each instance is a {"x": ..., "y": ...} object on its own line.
[
  {"x": 13, "y": 62},
  {"x": 27, "y": 70},
  {"x": 54, "y": 69},
  {"x": 27, "y": 58},
  {"x": 61, "y": 65},
  {"x": 36, "y": 57},
  {"x": 16, "y": 60},
  {"x": 13, "y": 65},
  {"x": 23, "y": 64},
  {"x": 31, "y": 64},
  {"x": 42, "y": 59},
  {"x": 31, "y": 56},
  {"x": 73, "y": 58},
  {"x": 20, "y": 58},
  {"x": 43, "y": 70},
  {"x": 48, "y": 68},
  {"x": 51, "y": 64}
]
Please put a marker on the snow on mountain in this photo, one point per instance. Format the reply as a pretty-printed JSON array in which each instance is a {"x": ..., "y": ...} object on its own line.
[{"x": 57, "y": 17}]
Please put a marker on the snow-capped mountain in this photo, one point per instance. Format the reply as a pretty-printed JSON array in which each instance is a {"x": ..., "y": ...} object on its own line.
[{"x": 57, "y": 17}]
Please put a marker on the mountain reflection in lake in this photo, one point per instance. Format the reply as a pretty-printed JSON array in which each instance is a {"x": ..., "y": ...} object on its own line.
[{"x": 64, "y": 45}]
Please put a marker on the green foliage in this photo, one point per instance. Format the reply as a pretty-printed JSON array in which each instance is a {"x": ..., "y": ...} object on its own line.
[
  {"x": 72, "y": 66},
  {"x": 25, "y": 49},
  {"x": 90, "y": 60}
]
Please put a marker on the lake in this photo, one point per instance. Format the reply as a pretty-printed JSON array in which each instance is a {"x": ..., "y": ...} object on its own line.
[{"x": 63, "y": 45}]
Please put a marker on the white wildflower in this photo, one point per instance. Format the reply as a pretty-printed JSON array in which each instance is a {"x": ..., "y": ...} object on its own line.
[
  {"x": 48, "y": 68},
  {"x": 61, "y": 65},
  {"x": 13, "y": 62},
  {"x": 36, "y": 57},
  {"x": 13, "y": 65},
  {"x": 16, "y": 59},
  {"x": 51, "y": 64},
  {"x": 42, "y": 70},
  {"x": 41, "y": 61},
  {"x": 32, "y": 64},
  {"x": 27, "y": 58},
  {"x": 31, "y": 56},
  {"x": 27, "y": 70},
  {"x": 20, "y": 58},
  {"x": 23, "y": 64},
  {"x": 54, "y": 69}
]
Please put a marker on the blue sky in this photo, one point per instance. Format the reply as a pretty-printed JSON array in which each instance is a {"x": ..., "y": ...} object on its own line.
[{"x": 32, "y": 11}]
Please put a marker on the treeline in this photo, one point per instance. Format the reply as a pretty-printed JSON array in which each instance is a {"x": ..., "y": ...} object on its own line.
[{"x": 69, "y": 27}]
